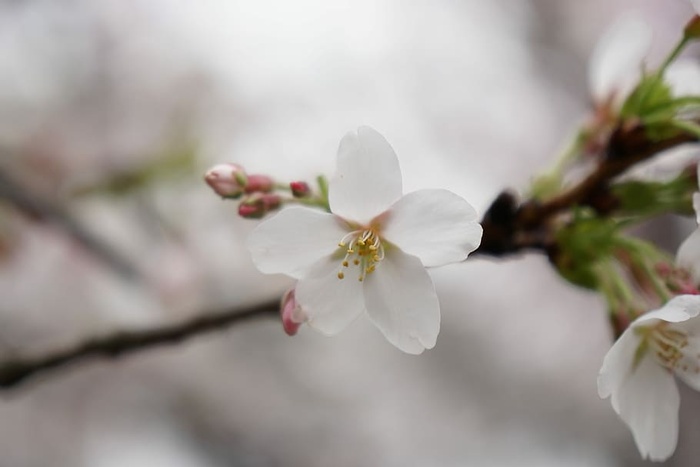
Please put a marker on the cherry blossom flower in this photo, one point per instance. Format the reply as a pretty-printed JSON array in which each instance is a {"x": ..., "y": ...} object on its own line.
[
  {"x": 638, "y": 373},
  {"x": 370, "y": 253}
]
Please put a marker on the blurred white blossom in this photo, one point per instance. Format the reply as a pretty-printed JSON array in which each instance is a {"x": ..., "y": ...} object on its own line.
[
  {"x": 616, "y": 63},
  {"x": 637, "y": 373}
]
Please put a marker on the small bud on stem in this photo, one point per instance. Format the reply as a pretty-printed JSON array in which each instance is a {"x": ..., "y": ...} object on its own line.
[
  {"x": 258, "y": 204},
  {"x": 227, "y": 180},
  {"x": 259, "y": 184},
  {"x": 292, "y": 314},
  {"x": 692, "y": 29},
  {"x": 300, "y": 189}
]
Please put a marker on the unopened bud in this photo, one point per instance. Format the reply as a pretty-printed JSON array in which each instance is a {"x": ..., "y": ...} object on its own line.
[
  {"x": 256, "y": 206},
  {"x": 292, "y": 314},
  {"x": 300, "y": 189},
  {"x": 692, "y": 29},
  {"x": 259, "y": 184},
  {"x": 227, "y": 180}
]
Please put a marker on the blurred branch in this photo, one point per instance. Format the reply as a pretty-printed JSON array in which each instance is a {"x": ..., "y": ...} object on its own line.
[
  {"x": 45, "y": 211},
  {"x": 14, "y": 372}
]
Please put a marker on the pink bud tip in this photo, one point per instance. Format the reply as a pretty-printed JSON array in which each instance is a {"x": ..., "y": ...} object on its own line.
[
  {"x": 227, "y": 180},
  {"x": 692, "y": 29},
  {"x": 259, "y": 184},
  {"x": 292, "y": 314},
  {"x": 300, "y": 189},
  {"x": 688, "y": 289}
]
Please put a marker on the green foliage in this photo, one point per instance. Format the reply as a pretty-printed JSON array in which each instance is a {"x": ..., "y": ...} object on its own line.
[
  {"x": 582, "y": 244},
  {"x": 652, "y": 95},
  {"x": 643, "y": 199}
]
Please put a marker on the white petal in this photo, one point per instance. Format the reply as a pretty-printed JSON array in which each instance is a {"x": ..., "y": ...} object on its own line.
[
  {"x": 688, "y": 256},
  {"x": 402, "y": 303},
  {"x": 688, "y": 367},
  {"x": 648, "y": 402},
  {"x": 696, "y": 5},
  {"x": 696, "y": 203},
  {"x": 616, "y": 62},
  {"x": 368, "y": 178},
  {"x": 618, "y": 363},
  {"x": 679, "y": 309},
  {"x": 437, "y": 226},
  {"x": 294, "y": 239},
  {"x": 684, "y": 77},
  {"x": 330, "y": 304}
]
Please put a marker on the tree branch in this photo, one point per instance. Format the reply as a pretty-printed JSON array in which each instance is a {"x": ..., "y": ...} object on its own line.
[
  {"x": 15, "y": 372},
  {"x": 511, "y": 227},
  {"x": 37, "y": 208}
]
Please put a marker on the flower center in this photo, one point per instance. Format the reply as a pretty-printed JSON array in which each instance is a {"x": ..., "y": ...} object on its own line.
[
  {"x": 363, "y": 249},
  {"x": 667, "y": 344}
]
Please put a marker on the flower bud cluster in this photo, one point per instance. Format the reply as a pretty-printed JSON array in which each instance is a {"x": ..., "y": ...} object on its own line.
[
  {"x": 231, "y": 181},
  {"x": 259, "y": 194}
]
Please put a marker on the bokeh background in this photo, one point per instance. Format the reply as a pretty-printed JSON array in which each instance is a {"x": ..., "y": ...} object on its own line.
[{"x": 112, "y": 110}]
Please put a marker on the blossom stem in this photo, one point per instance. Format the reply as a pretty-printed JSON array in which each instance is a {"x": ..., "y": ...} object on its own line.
[
  {"x": 674, "y": 54},
  {"x": 552, "y": 179},
  {"x": 643, "y": 255},
  {"x": 689, "y": 127},
  {"x": 323, "y": 190}
]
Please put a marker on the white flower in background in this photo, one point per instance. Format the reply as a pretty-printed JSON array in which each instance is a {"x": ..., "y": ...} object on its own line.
[
  {"x": 638, "y": 373},
  {"x": 370, "y": 254},
  {"x": 688, "y": 256},
  {"x": 684, "y": 77},
  {"x": 616, "y": 64}
]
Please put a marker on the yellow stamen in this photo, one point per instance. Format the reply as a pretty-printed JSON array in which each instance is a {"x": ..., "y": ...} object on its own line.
[{"x": 366, "y": 248}]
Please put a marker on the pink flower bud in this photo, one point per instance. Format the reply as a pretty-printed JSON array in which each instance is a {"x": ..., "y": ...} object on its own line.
[
  {"x": 692, "y": 29},
  {"x": 257, "y": 205},
  {"x": 227, "y": 180},
  {"x": 292, "y": 314},
  {"x": 300, "y": 189},
  {"x": 259, "y": 184}
]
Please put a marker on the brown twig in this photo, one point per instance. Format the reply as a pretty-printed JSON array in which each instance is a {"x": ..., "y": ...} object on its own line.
[
  {"x": 40, "y": 209},
  {"x": 14, "y": 372},
  {"x": 510, "y": 227}
]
